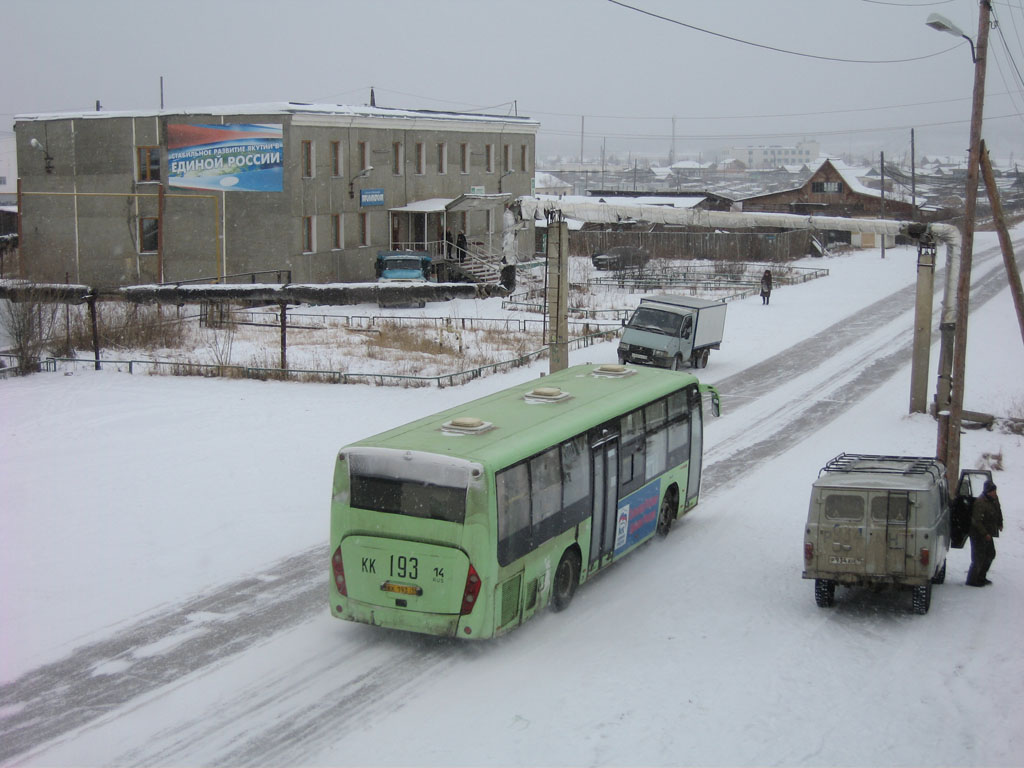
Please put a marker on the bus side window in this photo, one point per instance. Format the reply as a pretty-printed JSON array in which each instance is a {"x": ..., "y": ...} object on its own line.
[
  {"x": 679, "y": 429},
  {"x": 657, "y": 439},
  {"x": 631, "y": 456},
  {"x": 513, "y": 492},
  {"x": 576, "y": 479}
]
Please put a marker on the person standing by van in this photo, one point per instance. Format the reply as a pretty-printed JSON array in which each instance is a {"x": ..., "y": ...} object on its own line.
[
  {"x": 986, "y": 523},
  {"x": 766, "y": 286}
]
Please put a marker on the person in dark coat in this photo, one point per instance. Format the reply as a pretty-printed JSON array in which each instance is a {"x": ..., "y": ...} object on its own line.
[
  {"x": 448, "y": 243},
  {"x": 986, "y": 523},
  {"x": 766, "y": 286},
  {"x": 460, "y": 246}
]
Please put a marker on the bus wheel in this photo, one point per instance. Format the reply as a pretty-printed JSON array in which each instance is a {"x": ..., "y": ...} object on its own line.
[
  {"x": 567, "y": 577},
  {"x": 669, "y": 508}
]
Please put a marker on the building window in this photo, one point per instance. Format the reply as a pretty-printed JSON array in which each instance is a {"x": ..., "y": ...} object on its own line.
[
  {"x": 506, "y": 158},
  {"x": 364, "y": 155},
  {"x": 396, "y": 158},
  {"x": 308, "y": 246},
  {"x": 826, "y": 186},
  {"x": 522, "y": 158},
  {"x": 421, "y": 158},
  {"x": 149, "y": 234},
  {"x": 490, "y": 158},
  {"x": 336, "y": 158},
  {"x": 149, "y": 163},
  {"x": 442, "y": 158},
  {"x": 364, "y": 228},
  {"x": 307, "y": 159},
  {"x": 464, "y": 157},
  {"x": 337, "y": 232}
]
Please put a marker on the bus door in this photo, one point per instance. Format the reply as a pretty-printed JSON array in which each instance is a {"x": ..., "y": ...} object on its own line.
[
  {"x": 605, "y": 466},
  {"x": 696, "y": 448}
]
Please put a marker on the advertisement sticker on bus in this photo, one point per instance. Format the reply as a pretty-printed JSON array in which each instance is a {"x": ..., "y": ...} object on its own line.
[{"x": 638, "y": 517}]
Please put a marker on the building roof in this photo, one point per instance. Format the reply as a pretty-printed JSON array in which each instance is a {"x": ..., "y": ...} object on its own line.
[{"x": 288, "y": 108}]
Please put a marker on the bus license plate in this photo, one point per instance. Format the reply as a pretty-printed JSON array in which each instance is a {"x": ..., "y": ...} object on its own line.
[{"x": 401, "y": 589}]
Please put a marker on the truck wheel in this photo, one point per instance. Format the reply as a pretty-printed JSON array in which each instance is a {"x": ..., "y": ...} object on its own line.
[
  {"x": 940, "y": 577},
  {"x": 567, "y": 578},
  {"x": 824, "y": 593},
  {"x": 922, "y": 598},
  {"x": 677, "y": 363},
  {"x": 704, "y": 358}
]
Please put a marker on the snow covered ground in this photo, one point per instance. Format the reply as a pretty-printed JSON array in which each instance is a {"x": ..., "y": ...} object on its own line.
[{"x": 126, "y": 495}]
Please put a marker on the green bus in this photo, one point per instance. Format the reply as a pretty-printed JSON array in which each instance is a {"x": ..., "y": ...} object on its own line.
[{"x": 468, "y": 522}]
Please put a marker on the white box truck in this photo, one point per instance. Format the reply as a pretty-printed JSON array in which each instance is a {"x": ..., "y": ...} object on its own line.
[{"x": 669, "y": 331}]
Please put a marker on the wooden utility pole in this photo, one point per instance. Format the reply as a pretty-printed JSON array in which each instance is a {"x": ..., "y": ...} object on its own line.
[
  {"x": 949, "y": 442},
  {"x": 558, "y": 293},
  {"x": 1005, "y": 243},
  {"x": 882, "y": 163}
]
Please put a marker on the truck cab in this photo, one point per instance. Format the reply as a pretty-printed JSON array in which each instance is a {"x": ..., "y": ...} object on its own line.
[{"x": 398, "y": 267}]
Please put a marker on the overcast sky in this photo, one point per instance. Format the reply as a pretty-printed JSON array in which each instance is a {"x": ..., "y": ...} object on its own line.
[{"x": 622, "y": 73}]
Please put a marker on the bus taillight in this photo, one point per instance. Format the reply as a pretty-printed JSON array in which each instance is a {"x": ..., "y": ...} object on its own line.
[
  {"x": 339, "y": 572},
  {"x": 472, "y": 591}
]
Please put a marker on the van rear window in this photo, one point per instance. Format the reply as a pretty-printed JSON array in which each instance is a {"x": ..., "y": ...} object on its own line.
[
  {"x": 407, "y": 497},
  {"x": 840, "y": 506}
]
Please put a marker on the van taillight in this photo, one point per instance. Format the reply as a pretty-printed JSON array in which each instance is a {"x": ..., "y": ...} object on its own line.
[
  {"x": 471, "y": 592},
  {"x": 339, "y": 572},
  {"x": 808, "y": 551},
  {"x": 925, "y": 556}
]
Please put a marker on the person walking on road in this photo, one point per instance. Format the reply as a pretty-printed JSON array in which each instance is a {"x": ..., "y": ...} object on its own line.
[
  {"x": 766, "y": 286},
  {"x": 986, "y": 523}
]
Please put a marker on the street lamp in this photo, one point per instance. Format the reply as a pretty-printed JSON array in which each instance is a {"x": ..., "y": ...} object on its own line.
[
  {"x": 950, "y": 414},
  {"x": 506, "y": 173},
  {"x": 47, "y": 160},
  {"x": 351, "y": 182},
  {"x": 941, "y": 23}
]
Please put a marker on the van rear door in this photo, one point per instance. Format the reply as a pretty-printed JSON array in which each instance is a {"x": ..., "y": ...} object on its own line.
[
  {"x": 887, "y": 533},
  {"x": 841, "y": 537}
]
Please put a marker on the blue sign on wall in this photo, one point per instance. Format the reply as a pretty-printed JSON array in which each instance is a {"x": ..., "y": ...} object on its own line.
[{"x": 369, "y": 197}]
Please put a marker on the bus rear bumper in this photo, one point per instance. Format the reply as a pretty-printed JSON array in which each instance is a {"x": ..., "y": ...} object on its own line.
[{"x": 441, "y": 624}]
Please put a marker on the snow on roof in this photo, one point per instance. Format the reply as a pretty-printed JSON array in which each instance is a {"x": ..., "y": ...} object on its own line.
[
  {"x": 672, "y": 202},
  {"x": 285, "y": 108},
  {"x": 431, "y": 205},
  {"x": 544, "y": 180}
]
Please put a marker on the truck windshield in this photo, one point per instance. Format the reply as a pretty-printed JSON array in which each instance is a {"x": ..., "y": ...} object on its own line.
[
  {"x": 656, "y": 320},
  {"x": 403, "y": 264}
]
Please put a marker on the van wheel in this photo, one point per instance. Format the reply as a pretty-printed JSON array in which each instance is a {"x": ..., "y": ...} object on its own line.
[
  {"x": 677, "y": 363},
  {"x": 824, "y": 593},
  {"x": 567, "y": 578},
  {"x": 940, "y": 577},
  {"x": 669, "y": 509},
  {"x": 922, "y": 599}
]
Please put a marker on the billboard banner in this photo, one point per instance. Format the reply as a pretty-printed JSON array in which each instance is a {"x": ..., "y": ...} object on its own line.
[{"x": 246, "y": 157}]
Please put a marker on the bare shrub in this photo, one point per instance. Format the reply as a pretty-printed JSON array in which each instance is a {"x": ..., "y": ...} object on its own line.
[
  {"x": 128, "y": 326},
  {"x": 993, "y": 461},
  {"x": 30, "y": 324}
]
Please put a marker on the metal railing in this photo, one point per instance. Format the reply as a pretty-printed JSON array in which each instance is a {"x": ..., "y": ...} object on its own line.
[{"x": 214, "y": 370}]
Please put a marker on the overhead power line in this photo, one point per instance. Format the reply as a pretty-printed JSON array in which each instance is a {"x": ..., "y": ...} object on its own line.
[{"x": 772, "y": 47}]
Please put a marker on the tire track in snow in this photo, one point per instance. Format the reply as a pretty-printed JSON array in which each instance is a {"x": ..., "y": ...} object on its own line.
[{"x": 89, "y": 687}]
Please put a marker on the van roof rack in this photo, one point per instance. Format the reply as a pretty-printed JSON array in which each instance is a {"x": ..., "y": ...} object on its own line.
[{"x": 875, "y": 463}]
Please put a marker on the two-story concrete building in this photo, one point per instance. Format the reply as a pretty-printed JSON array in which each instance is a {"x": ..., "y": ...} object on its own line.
[{"x": 115, "y": 198}]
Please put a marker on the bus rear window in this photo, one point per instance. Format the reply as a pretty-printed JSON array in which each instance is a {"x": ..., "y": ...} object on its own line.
[{"x": 407, "y": 497}]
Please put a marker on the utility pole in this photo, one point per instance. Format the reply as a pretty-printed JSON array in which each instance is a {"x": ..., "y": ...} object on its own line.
[
  {"x": 949, "y": 443},
  {"x": 913, "y": 178},
  {"x": 1006, "y": 244},
  {"x": 558, "y": 293},
  {"x": 882, "y": 163}
]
